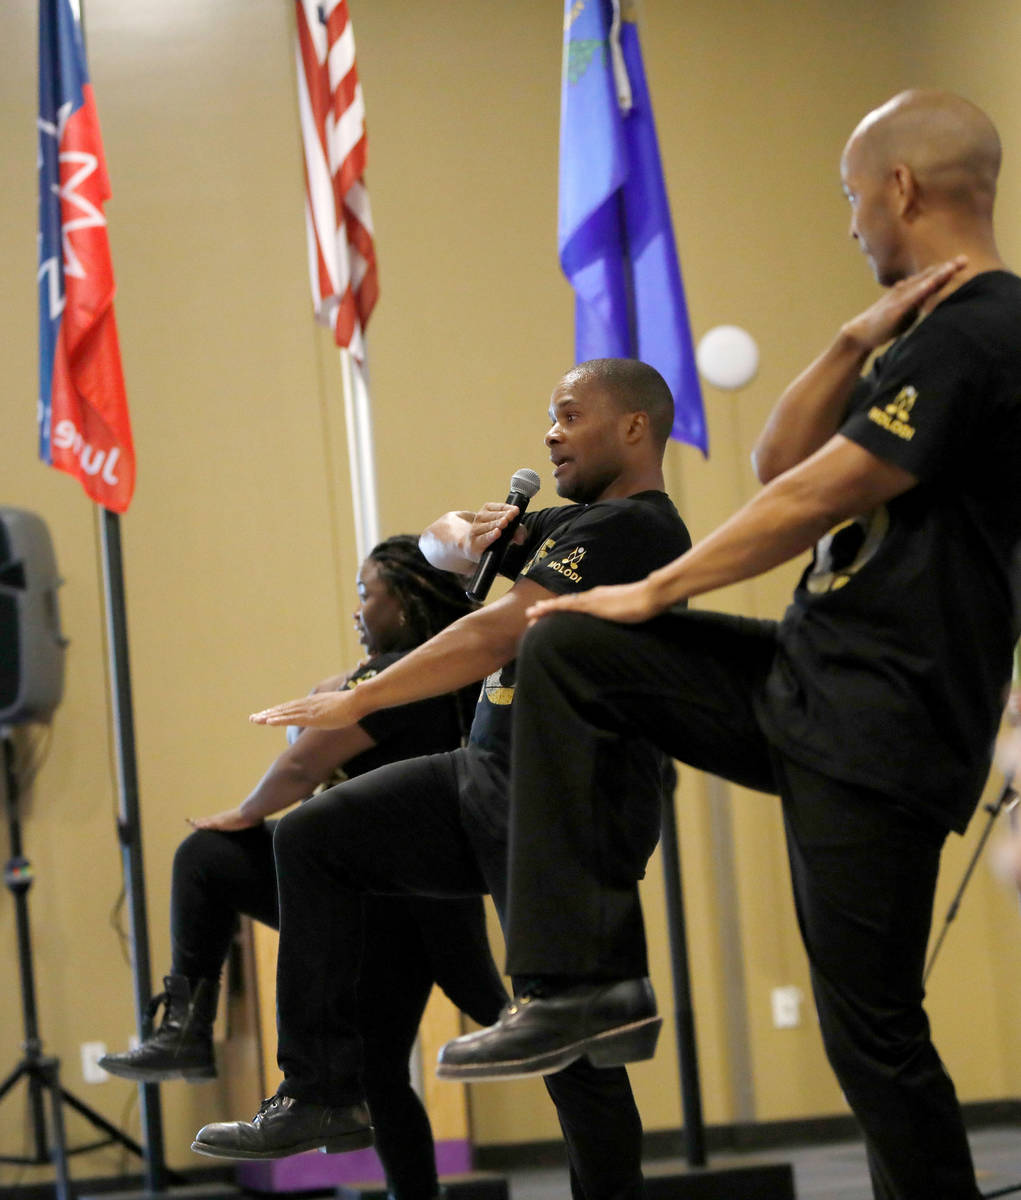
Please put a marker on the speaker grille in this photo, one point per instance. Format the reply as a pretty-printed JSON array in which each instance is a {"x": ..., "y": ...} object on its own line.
[
  {"x": 31, "y": 644},
  {"x": 10, "y": 658}
]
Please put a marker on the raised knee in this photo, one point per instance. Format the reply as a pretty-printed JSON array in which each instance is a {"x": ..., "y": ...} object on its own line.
[
  {"x": 198, "y": 850},
  {"x": 559, "y": 635},
  {"x": 291, "y": 830},
  {"x": 305, "y": 829}
]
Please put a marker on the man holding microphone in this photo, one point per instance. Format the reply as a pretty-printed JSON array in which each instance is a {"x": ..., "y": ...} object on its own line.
[
  {"x": 437, "y": 825},
  {"x": 870, "y": 708}
]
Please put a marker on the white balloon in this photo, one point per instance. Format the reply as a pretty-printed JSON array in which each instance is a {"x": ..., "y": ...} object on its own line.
[{"x": 727, "y": 357}]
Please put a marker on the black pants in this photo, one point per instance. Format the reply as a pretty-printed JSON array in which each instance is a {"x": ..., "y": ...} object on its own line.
[
  {"x": 403, "y": 829},
  {"x": 409, "y": 943},
  {"x": 863, "y": 868}
]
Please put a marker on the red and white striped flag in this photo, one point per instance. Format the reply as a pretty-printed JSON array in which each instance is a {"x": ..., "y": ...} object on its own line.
[{"x": 341, "y": 254}]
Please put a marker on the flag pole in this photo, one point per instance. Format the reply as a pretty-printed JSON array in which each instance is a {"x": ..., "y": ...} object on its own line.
[
  {"x": 360, "y": 453},
  {"x": 338, "y": 224},
  {"x": 129, "y": 824},
  {"x": 630, "y": 301},
  {"x": 129, "y": 830}
]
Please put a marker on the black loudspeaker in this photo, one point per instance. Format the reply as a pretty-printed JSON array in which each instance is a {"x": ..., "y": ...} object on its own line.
[{"x": 31, "y": 644}]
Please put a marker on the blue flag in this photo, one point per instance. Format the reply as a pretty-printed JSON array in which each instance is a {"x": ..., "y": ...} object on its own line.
[{"x": 614, "y": 233}]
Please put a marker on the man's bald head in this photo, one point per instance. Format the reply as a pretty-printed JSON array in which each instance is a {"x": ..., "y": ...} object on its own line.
[
  {"x": 949, "y": 144},
  {"x": 633, "y": 386}
]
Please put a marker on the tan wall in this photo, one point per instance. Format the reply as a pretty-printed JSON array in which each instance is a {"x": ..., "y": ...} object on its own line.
[{"x": 239, "y": 551}]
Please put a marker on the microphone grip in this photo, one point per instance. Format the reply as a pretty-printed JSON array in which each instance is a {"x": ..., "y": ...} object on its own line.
[{"x": 492, "y": 556}]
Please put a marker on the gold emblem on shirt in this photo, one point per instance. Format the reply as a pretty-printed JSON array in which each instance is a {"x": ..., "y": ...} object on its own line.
[
  {"x": 496, "y": 691},
  {"x": 568, "y": 564},
  {"x": 848, "y": 547},
  {"x": 539, "y": 555},
  {"x": 896, "y": 416}
]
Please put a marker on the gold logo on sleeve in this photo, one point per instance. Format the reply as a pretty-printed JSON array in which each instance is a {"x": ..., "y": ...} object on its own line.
[
  {"x": 896, "y": 416},
  {"x": 568, "y": 565}
]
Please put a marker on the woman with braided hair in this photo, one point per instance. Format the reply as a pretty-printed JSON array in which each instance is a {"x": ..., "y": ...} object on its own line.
[{"x": 226, "y": 868}]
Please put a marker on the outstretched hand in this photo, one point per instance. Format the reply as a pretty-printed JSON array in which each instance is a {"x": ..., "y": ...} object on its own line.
[
  {"x": 230, "y": 821},
  {"x": 894, "y": 311},
  {"x": 626, "y": 603},
  {"x": 321, "y": 710}
]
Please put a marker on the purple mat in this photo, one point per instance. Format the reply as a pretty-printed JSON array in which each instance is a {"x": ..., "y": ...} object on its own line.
[{"x": 307, "y": 1172}]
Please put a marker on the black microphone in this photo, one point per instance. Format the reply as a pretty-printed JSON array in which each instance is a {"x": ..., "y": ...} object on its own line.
[{"x": 523, "y": 486}]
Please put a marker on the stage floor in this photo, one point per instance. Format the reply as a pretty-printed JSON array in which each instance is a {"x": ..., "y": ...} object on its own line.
[{"x": 836, "y": 1171}]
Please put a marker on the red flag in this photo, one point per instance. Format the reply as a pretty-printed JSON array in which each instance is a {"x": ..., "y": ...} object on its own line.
[
  {"x": 84, "y": 427},
  {"x": 342, "y": 257}
]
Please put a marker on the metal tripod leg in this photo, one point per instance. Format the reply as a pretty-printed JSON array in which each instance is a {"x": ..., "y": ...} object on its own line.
[
  {"x": 58, "y": 1142},
  {"x": 42, "y": 1073}
]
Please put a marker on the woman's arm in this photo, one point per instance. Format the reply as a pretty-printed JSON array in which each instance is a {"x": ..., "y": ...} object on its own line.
[{"x": 294, "y": 774}]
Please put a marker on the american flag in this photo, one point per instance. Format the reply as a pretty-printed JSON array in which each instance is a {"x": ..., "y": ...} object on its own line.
[{"x": 342, "y": 258}]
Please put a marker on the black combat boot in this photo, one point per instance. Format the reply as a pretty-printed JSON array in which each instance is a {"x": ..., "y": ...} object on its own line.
[
  {"x": 182, "y": 1047},
  {"x": 285, "y": 1126}
]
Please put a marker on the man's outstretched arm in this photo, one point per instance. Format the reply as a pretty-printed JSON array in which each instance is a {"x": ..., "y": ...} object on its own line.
[
  {"x": 783, "y": 520},
  {"x": 468, "y": 650}
]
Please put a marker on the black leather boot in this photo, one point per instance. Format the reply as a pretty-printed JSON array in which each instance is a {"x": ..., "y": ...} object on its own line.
[
  {"x": 542, "y": 1031},
  {"x": 182, "y": 1047},
  {"x": 285, "y": 1126}
]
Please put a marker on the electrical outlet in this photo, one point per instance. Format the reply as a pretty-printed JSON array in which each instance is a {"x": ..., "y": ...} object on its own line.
[
  {"x": 786, "y": 1007},
  {"x": 92, "y": 1072}
]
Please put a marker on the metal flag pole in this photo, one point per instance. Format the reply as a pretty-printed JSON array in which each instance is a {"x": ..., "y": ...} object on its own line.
[
  {"x": 157, "y": 1177},
  {"x": 361, "y": 458},
  {"x": 128, "y": 825},
  {"x": 129, "y": 829}
]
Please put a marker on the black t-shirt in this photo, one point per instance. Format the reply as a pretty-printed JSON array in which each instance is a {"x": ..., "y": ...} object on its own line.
[
  {"x": 895, "y": 653},
  {"x": 425, "y": 727},
  {"x": 571, "y": 549}
]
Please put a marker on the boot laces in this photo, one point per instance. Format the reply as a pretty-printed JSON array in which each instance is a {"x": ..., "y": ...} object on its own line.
[
  {"x": 153, "y": 1006},
  {"x": 267, "y": 1106}
]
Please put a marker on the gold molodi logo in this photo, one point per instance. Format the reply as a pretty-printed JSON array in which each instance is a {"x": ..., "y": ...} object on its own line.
[
  {"x": 896, "y": 416},
  {"x": 567, "y": 566}
]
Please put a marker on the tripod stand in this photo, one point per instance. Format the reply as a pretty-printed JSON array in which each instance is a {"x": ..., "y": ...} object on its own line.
[{"x": 41, "y": 1072}]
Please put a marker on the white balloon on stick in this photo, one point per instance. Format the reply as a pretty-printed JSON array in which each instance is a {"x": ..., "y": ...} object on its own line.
[{"x": 727, "y": 357}]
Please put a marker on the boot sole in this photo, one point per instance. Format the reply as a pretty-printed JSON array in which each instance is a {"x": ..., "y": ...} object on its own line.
[
  {"x": 613, "y": 1048},
  {"x": 359, "y": 1139},
  {"x": 156, "y": 1075}
]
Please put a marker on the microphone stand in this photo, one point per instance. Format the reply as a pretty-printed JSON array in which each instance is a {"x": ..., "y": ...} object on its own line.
[{"x": 1007, "y": 798}]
